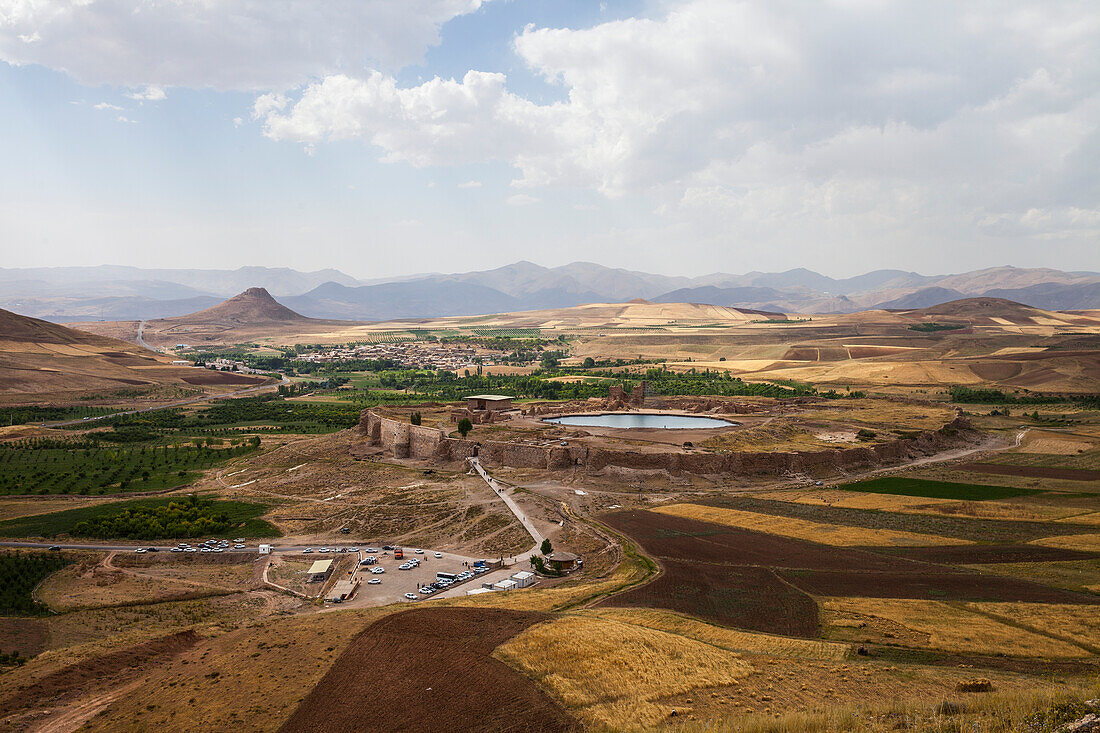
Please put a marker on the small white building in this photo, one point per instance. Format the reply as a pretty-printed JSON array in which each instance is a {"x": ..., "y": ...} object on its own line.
[
  {"x": 506, "y": 584},
  {"x": 478, "y": 591},
  {"x": 524, "y": 578},
  {"x": 265, "y": 549}
]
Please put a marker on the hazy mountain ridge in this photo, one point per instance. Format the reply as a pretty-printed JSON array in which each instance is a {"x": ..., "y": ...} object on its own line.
[{"x": 130, "y": 293}]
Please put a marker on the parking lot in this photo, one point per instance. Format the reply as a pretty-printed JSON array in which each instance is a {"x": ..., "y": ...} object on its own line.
[{"x": 395, "y": 583}]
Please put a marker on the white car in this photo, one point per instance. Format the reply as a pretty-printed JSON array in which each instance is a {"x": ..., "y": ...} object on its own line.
[
  {"x": 239, "y": 539},
  {"x": 418, "y": 552},
  {"x": 374, "y": 581},
  {"x": 238, "y": 546},
  {"x": 176, "y": 549},
  {"x": 371, "y": 549},
  {"x": 412, "y": 596},
  {"x": 438, "y": 554},
  {"x": 378, "y": 571},
  {"x": 307, "y": 550},
  {"x": 190, "y": 549},
  {"x": 140, "y": 550}
]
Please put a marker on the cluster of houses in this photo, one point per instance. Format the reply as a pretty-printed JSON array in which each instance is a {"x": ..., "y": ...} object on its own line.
[{"x": 411, "y": 354}]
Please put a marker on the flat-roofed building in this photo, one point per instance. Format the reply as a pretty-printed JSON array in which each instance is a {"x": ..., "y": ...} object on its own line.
[
  {"x": 492, "y": 402},
  {"x": 319, "y": 571}
]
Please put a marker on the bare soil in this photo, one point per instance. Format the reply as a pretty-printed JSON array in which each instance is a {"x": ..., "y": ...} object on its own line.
[
  {"x": 742, "y": 596},
  {"x": 431, "y": 670},
  {"x": 938, "y": 586},
  {"x": 668, "y": 536},
  {"x": 989, "y": 554}
]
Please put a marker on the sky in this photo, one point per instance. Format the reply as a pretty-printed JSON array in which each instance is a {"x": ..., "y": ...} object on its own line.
[{"x": 389, "y": 137}]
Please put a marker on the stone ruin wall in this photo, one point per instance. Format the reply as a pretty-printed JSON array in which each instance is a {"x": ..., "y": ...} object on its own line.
[{"x": 403, "y": 440}]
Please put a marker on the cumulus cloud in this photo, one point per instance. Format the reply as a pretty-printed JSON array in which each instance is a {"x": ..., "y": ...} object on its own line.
[
  {"x": 881, "y": 115},
  {"x": 150, "y": 93},
  {"x": 107, "y": 105},
  {"x": 225, "y": 44},
  {"x": 470, "y": 184}
]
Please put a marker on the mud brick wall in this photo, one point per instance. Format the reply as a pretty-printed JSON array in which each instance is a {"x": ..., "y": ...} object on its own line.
[{"x": 410, "y": 441}]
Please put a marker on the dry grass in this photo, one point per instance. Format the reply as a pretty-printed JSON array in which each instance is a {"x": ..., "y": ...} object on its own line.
[
  {"x": 924, "y": 505},
  {"x": 1051, "y": 443},
  {"x": 78, "y": 586},
  {"x": 779, "y": 436},
  {"x": 730, "y": 639},
  {"x": 942, "y": 626},
  {"x": 15, "y": 508},
  {"x": 1079, "y": 624},
  {"x": 613, "y": 671},
  {"x": 827, "y": 534},
  {"x": 1000, "y": 712},
  {"x": 888, "y": 415},
  {"x": 1085, "y": 542},
  {"x": 247, "y": 680}
]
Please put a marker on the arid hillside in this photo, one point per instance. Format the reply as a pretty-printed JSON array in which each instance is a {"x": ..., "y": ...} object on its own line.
[{"x": 45, "y": 361}]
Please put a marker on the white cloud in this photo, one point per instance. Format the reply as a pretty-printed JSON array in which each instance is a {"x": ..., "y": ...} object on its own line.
[
  {"x": 124, "y": 118},
  {"x": 470, "y": 184},
  {"x": 771, "y": 119},
  {"x": 225, "y": 44},
  {"x": 150, "y": 93},
  {"x": 521, "y": 199},
  {"x": 106, "y": 105}
]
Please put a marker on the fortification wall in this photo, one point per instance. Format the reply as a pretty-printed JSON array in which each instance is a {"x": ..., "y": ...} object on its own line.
[{"x": 411, "y": 441}]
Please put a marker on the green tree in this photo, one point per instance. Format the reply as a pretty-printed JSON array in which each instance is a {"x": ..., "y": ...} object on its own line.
[
  {"x": 465, "y": 426},
  {"x": 546, "y": 547},
  {"x": 415, "y": 418},
  {"x": 588, "y": 363}
]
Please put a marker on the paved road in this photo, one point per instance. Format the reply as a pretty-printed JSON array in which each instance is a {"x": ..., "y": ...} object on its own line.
[
  {"x": 178, "y": 403},
  {"x": 511, "y": 504},
  {"x": 141, "y": 339}
]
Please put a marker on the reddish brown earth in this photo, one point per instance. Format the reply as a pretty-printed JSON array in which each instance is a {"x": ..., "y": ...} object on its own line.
[
  {"x": 937, "y": 586},
  {"x": 431, "y": 670},
  {"x": 988, "y": 554},
  {"x": 667, "y": 536},
  {"x": 746, "y": 597},
  {"x": 28, "y": 636},
  {"x": 1000, "y": 469},
  {"x": 75, "y": 677}
]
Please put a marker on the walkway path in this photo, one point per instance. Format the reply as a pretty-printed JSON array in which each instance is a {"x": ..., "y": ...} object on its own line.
[{"x": 511, "y": 504}]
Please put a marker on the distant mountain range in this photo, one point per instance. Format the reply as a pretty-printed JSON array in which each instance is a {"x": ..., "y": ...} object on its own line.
[{"x": 130, "y": 293}]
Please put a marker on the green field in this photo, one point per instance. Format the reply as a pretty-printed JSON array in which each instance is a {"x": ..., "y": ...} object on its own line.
[
  {"x": 20, "y": 573},
  {"x": 29, "y": 468},
  {"x": 147, "y": 519},
  {"x": 902, "y": 486}
]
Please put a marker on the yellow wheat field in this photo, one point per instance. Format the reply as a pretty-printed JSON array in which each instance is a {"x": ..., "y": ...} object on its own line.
[
  {"x": 949, "y": 627},
  {"x": 803, "y": 529},
  {"x": 1077, "y": 623},
  {"x": 613, "y": 672},
  {"x": 1086, "y": 542},
  {"x": 731, "y": 639}
]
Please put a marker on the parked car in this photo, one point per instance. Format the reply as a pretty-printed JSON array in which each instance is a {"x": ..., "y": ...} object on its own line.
[
  {"x": 418, "y": 552},
  {"x": 374, "y": 581},
  {"x": 378, "y": 571},
  {"x": 55, "y": 548},
  {"x": 174, "y": 549},
  {"x": 438, "y": 554},
  {"x": 412, "y": 596},
  {"x": 371, "y": 549},
  {"x": 238, "y": 546},
  {"x": 140, "y": 550},
  {"x": 308, "y": 549}
]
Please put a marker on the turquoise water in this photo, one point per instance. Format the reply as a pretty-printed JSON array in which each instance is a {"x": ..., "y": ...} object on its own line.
[{"x": 640, "y": 420}]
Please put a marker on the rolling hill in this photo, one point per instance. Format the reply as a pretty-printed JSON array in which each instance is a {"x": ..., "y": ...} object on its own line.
[{"x": 45, "y": 361}]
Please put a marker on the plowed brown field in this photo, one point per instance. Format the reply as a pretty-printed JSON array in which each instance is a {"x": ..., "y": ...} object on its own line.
[
  {"x": 934, "y": 586},
  {"x": 431, "y": 670},
  {"x": 669, "y": 536},
  {"x": 989, "y": 554},
  {"x": 745, "y": 597},
  {"x": 1000, "y": 469}
]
